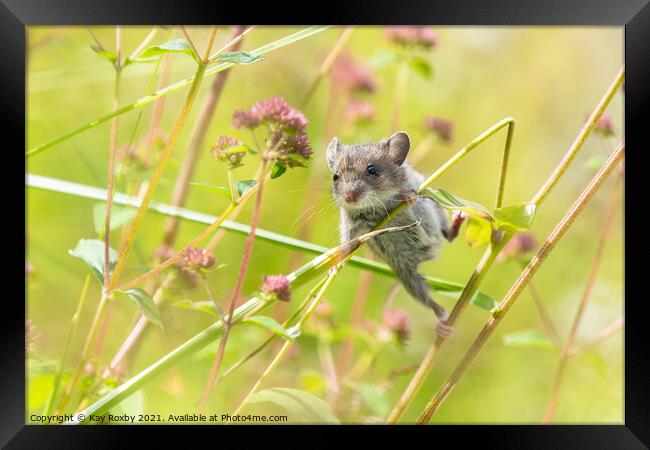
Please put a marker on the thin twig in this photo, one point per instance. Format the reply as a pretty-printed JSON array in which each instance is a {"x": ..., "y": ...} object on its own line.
[
  {"x": 235, "y": 294},
  {"x": 614, "y": 201},
  {"x": 521, "y": 282}
]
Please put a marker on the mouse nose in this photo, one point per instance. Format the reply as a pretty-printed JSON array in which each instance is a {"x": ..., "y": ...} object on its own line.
[{"x": 352, "y": 195}]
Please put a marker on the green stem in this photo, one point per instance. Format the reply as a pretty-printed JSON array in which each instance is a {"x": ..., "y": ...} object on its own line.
[
  {"x": 429, "y": 359},
  {"x": 285, "y": 348},
  {"x": 74, "y": 323},
  {"x": 441, "y": 286},
  {"x": 521, "y": 282},
  {"x": 155, "y": 178},
  {"x": 214, "y": 372},
  {"x": 85, "y": 354},
  {"x": 580, "y": 139},
  {"x": 172, "y": 88}
]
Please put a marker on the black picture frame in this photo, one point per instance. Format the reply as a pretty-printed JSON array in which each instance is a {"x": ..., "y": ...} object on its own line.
[{"x": 634, "y": 15}]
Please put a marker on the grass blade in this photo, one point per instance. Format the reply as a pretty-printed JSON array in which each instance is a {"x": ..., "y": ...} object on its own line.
[{"x": 295, "y": 37}]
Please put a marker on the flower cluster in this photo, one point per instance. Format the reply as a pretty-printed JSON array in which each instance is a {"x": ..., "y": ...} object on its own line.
[
  {"x": 518, "y": 246},
  {"x": 196, "y": 260},
  {"x": 359, "y": 112},
  {"x": 229, "y": 150},
  {"x": 412, "y": 36},
  {"x": 443, "y": 128},
  {"x": 352, "y": 76},
  {"x": 277, "y": 286},
  {"x": 275, "y": 112},
  {"x": 287, "y": 137},
  {"x": 398, "y": 323}
]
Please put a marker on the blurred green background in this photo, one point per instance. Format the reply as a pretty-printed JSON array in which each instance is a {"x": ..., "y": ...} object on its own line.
[{"x": 548, "y": 79}]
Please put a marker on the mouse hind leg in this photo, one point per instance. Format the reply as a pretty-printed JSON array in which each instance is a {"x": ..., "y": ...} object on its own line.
[{"x": 417, "y": 287}]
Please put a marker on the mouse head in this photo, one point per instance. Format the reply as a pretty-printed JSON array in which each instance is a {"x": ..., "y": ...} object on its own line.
[{"x": 366, "y": 173}]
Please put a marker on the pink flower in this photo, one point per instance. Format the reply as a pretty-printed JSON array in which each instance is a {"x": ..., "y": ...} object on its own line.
[
  {"x": 358, "y": 111},
  {"x": 412, "y": 36},
  {"x": 519, "y": 245},
  {"x": 196, "y": 259},
  {"x": 397, "y": 322},
  {"x": 277, "y": 286},
  {"x": 441, "y": 127},
  {"x": 276, "y": 112},
  {"x": 352, "y": 76},
  {"x": 245, "y": 119},
  {"x": 290, "y": 147},
  {"x": 229, "y": 150}
]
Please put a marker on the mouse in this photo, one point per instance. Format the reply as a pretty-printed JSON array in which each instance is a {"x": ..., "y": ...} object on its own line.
[{"x": 369, "y": 180}]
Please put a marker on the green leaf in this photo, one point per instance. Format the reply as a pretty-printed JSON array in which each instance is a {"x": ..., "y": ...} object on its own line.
[
  {"x": 244, "y": 186},
  {"x": 119, "y": 216},
  {"x": 204, "y": 306},
  {"x": 91, "y": 251},
  {"x": 173, "y": 46},
  {"x": 144, "y": 303},
  {"x": 483, "y": 301},
  {"x": 132, "y": 405},
  {"x": 450, "y": 201},
  {"x": 528, "y": 338},
  {"x": 478, "y": 232},
  {"x": 518, "y": 217},
  {"x": 129, "y": 61},
  {"x": 422, "y": 66},
  {"x": 220, "y": 189},
  {"x": 595, "y": 162},
  {"x": 112, "y": 57},
  {"x": 277, "y": 170},
  {"x": 384, "y": 58},
  {"x": 271, "y": 325},
  {"x": 240, "y": 57},
  {"x": 300, "y": 406}
]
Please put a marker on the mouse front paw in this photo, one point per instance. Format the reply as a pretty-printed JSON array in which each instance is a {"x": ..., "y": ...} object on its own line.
[{"x": 410, "y": 197}]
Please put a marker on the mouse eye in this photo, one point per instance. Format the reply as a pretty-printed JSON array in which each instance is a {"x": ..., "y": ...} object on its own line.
[
  {"x": 336, "y": 176},
  {"x": 372, "y": 170}
]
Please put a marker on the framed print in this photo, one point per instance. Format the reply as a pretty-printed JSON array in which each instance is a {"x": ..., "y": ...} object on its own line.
[{"x": 335, "y": 219}]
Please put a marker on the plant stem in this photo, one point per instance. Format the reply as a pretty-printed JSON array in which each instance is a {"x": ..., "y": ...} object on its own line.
[
  {"x": 111, "y": 160},
  {"x": 240, "y": 280},
  {"x": 427, "y": 363},
  {"x": 74, "y": 323},
  {"x": 606, "y": 332},
  {"x": 327, "y": 64},
  {"x": 543, "y": 314},
  {"x": 85, "y": 354},
  {"x": 521, "y": 282},
  {"x": 442, "y": 286},
  {"x": 232, "y": 44},
  {"x": 166, "y": 154},
  {"x": 136, "y": 331},
  {"x": 179, "y": 195},
  {"x": 330, "y": 260},
  {"x": 429, "y": 358},
  {"x": 580, "y": 139},
  {"x": 287, "y": 344},
  {"x": 400, "y": 94},
  {"x": 302, "y": 34},
  {"x": 357, "y": 312},
  {"x": 614, "y": 200}
]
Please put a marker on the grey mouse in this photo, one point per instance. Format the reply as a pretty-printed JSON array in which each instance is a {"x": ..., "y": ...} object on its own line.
[{"x": 369, "y": 181}]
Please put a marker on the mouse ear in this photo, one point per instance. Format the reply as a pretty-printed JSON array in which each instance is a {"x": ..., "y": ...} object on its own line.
[
  {"x": 332, "y": 150},
  {"x": 398, "y": 146}
]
